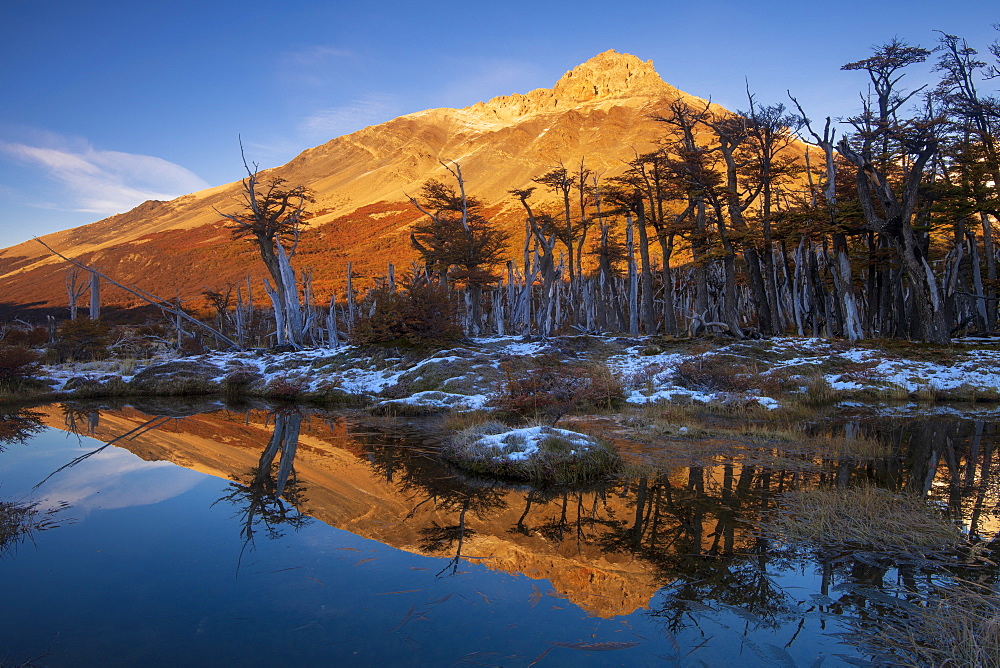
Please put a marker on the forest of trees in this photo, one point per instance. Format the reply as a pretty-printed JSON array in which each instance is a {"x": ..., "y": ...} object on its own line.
[
  {"x": 732, "y": 224},
  {"x": 759, "y": 222}
]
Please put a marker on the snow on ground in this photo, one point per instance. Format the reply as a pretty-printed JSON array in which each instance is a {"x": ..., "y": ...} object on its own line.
[
  {"x": 433, "y": 399},
  {"x": 518, "y": 445},
  {"x": 457, "y": 379}
]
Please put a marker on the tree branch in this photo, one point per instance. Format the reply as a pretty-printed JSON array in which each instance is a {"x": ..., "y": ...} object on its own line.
[{"x": 145, "y": 296}]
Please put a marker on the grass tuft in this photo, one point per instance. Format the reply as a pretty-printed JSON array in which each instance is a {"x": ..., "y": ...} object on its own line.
[
  {"x": 562, "y": 457},
  {"x": 954, "y": 625},
  {"x": 865, "y": 518}
]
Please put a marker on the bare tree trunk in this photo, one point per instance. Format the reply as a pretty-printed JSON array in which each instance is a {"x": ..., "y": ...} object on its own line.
[
  {"x": 841, "y": 269},
  {"x": 74, "y": 291},
  {"x": 633, "y": 280},
  {"x": 95, "y": 295},
  {"x": 991, "y": 271},
  {"x": 669, "y": 313},
  {"x": 977, "y": 283},
  {"x": 646, "y": 275}
]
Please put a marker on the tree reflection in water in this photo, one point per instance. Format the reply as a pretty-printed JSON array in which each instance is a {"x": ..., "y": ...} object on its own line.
[
  {"x": 701, "y": 527},
  {"x": 687, "y": 541},
  {"x": 19, "y": 425},
  {"x": 19, "y": 519},
  {"x": 270, "y": 494},
  {"x": 403, "y": 458}
]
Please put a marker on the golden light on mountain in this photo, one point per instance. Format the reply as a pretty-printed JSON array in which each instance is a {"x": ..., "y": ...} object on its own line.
[{"x": 600, "y": 112}]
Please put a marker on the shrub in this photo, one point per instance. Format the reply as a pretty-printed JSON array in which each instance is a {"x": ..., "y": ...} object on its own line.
[
  {"x": 135, "y": 342},
  {"x": 82, "y": 339},
  {"x": 17, "y": 363},
  {"x": 26, "y": 336},
  {"x": 283, "y": 388},
  {"x": 238, "y": 382},
  {"x": 422, "y": 314},
  {"x": 548, "y": 388},
  {"x": 715, "y": 373}
]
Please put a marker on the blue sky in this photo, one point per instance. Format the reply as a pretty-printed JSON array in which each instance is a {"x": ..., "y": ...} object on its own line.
[{"x": 107, "y": 104}]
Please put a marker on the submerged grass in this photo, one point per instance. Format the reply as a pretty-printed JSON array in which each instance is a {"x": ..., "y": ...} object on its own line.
[
  {"x": 864, "y": 518},
  {"x": 954, "y": 625},
  {"x": 18, "y": 521},
  {"x": 698, "y": 434}
]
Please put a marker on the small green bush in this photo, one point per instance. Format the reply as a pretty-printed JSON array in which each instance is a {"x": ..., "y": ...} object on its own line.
[{"x": 82, "y": 340}]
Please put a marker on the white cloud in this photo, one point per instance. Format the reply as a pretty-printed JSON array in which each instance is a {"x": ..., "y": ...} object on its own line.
[
  {"x": 106, "y": 182},
  {"x": 116, "y": 478},
  {"x": 325, "y": 124}
]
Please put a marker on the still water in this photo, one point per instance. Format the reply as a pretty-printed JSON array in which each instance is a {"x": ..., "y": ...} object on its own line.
[{"x": 298, "y": 537}]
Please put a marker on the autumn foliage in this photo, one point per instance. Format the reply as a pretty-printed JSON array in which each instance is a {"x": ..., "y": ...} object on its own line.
[
  {"x": 547, "y": 387},
  {"x": 422, "y": 314},
  {"x": 17, "y": 363}
]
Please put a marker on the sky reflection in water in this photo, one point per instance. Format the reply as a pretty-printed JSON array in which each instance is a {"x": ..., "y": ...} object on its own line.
[{"x": 395, "y": 559}]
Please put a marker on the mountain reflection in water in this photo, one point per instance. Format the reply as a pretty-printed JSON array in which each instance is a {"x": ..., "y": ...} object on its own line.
[{"x": 679, "y": 543}]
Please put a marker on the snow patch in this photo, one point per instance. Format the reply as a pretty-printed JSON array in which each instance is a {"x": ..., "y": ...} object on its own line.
[{"x": 517, "y": 445}]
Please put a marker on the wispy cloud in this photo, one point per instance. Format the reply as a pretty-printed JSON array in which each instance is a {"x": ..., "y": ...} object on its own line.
[
  {"x": 106, "y": 182},
  {"x": 313, "y": 66},
  {"x": 481, "y": 81},
  {"x": 325, "y": 124}
]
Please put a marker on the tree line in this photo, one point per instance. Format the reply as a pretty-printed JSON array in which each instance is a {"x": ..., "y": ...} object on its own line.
[
  {"x": 758, "y": 222},
  {"x": 731, "y": 224}
]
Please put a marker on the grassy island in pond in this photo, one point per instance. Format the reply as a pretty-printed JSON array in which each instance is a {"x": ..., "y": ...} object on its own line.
[{"x": 540, "y": 454}]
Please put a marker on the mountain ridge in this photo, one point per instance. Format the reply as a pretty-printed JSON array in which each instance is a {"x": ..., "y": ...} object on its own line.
[{"x": 601, "y": 111}]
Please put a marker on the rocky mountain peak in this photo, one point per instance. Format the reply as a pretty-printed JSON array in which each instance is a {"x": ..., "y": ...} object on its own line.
[
  {"x": 606, "y": 76},
  {"x": 609, "y": 74}
]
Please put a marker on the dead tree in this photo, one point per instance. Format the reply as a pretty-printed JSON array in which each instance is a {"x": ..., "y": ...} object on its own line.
[
  {"x": 272, "y": 219},
  {"x": 890, "y": 154},
  {"x": 74, "y": 290}
]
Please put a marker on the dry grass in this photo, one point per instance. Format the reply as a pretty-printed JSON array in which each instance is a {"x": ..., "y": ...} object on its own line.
[
  {"x": 18, "y": 521},
  {"x": 864, "y": 518},
  {"x": 456, "y": 422},
  {"x": 563, "y": 458},
  {"x": 819, "y": 392},
  {"x": 958, "y": 625},
  {"x": 15, "y": 522},
  {"x": 698, "y": 434}
]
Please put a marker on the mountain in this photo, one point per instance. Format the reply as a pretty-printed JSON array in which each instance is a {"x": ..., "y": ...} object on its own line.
[
  {"x": 600, "y": 111},
  {"x": 341, "y": 487}
]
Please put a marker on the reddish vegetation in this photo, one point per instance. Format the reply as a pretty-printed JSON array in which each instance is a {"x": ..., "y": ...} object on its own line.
[
  {"x": 187, "y": 262},
  {"x": 602, "y": 111}
]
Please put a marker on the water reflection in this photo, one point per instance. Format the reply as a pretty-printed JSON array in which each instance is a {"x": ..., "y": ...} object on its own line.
[
  {"x": 684, "y": 543},
  {"x": 20, "y": 519},
  {"x": 19, "y": 425},
  {"x": 270, "y": 494}
]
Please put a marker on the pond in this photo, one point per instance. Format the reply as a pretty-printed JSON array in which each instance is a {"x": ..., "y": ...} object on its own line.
[{"x": 291, "y": 536}]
